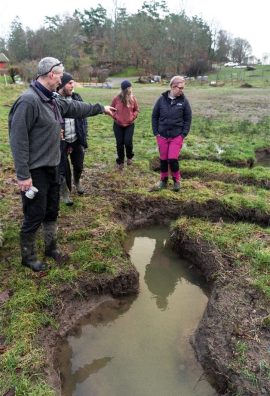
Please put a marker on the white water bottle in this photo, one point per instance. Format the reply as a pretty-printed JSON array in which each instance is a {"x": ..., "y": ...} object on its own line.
[{"x": 31, "y": 192}]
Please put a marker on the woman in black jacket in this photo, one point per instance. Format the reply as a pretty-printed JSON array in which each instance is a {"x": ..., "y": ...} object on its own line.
[{"x": 171, "y": 121}]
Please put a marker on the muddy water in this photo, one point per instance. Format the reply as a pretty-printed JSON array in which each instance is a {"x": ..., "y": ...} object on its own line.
[
  {"x": 139, "y": 346},
  {"x": 263, "y": 158}
]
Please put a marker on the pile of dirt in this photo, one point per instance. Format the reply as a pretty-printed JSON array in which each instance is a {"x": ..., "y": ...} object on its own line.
[{"x": 246, "y": 85}]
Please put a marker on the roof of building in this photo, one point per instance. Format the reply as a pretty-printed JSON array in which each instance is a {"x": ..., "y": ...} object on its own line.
[{"x": 3, "y": 57}]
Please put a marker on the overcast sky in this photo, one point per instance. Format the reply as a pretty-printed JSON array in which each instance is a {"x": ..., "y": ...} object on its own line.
[{"x": 241, "y": 18}]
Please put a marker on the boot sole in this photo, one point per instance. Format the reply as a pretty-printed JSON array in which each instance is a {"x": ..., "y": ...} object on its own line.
[{"x": 36, "y": 269}]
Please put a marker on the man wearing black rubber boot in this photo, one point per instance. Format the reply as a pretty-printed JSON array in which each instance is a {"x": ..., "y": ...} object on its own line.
[{"x": 35, "y": 125}]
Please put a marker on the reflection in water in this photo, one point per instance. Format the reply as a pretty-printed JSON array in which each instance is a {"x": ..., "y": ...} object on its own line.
[
  {"x": 164, "y": 270},
  {"x": 140, "y": 346},
  {"x": 160, "y": 276},
  {"x": 82, "y": 373}
]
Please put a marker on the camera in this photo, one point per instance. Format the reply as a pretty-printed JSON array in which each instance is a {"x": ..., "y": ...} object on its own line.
[{"x": 31, "y": 192}]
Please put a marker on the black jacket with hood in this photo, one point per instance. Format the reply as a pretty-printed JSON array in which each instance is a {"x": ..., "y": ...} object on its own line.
[{"x": 171, "y": 117}]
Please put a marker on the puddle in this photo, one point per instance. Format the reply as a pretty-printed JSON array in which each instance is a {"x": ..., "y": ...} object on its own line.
[
  {"x": 263, "y": 157},
  {"x": 139, "y": 346}
]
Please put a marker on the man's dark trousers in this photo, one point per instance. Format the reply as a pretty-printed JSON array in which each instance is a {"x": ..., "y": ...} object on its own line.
[{"x": 44, "y": 207}]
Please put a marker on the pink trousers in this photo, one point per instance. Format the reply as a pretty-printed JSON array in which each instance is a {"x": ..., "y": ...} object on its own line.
[{"x": 169, "y": 150}]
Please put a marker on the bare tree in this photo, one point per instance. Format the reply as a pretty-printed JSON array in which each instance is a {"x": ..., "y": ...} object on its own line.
[{"x": 241, "y": 49}]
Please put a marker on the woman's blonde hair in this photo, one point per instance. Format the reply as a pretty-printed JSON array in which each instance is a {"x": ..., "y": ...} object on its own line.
[
  {"x": 176, "y": 80},
  {"x": 126, "y": 97}
]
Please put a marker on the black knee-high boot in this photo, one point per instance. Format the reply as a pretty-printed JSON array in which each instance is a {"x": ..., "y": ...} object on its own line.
[
  {"x": 50, "y": 240},
  {"x": 77, "y": 183},
  {"x": 28, "y": 252}
]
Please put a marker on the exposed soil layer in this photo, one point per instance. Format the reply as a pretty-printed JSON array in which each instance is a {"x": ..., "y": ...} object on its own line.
[
  {"x": 248, "y": 163},
  {"x": 228, "y": 178},
  {"x": 160, "y": 210}
]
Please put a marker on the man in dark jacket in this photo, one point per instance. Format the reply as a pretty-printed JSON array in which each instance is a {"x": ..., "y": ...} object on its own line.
[
  {"x": 171, "y": 121},
  {"x": 73, "y": 144},
  {"x": 35, "y": 125}
]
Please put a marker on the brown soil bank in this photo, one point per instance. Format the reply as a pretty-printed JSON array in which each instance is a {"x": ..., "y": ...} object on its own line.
[
  {"x": 235, "y": 316},
  {"x": 161, "y": 210}
]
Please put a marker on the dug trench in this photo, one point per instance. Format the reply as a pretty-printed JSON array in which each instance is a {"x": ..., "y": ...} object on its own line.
[{"x": 235, "y": 310}]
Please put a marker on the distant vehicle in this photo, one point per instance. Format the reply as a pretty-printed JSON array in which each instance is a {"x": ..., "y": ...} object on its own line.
[
  {"x": 106, "y": 84},
  {"x": 231, "y": 64}
]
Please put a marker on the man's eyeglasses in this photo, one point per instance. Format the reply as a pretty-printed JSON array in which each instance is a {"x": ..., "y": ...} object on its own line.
[
  {"x": 57, "y": 64},
  {"x": 176, "y": 86}
]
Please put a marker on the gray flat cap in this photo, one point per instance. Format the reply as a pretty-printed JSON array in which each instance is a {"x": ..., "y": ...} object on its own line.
[{"x": 46, "y": 65}]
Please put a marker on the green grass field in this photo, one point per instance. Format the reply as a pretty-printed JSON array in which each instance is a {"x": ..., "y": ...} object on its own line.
[
  {"x": 229, "y": 124},
  {"x": 260, "y": 77},
  {"x": 231, "y": 76}
]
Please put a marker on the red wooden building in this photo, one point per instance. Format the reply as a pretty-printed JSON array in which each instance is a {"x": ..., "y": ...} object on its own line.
[{"x": 4, "y": 61}]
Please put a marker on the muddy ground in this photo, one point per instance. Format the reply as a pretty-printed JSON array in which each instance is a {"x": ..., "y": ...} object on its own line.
[{"x": 234, "y": 310}]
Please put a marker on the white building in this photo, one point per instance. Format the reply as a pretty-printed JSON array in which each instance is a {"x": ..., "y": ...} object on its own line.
[{"x": 266, "y": 58}]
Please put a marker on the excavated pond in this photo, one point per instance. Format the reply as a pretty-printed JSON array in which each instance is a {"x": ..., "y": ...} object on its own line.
[{"x": 140, "y": 345}]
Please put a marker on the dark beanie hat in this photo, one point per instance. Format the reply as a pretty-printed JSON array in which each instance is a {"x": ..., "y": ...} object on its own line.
[
  {"x": 65, "y": 79},
  {"x": 125, "y": 84}
]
